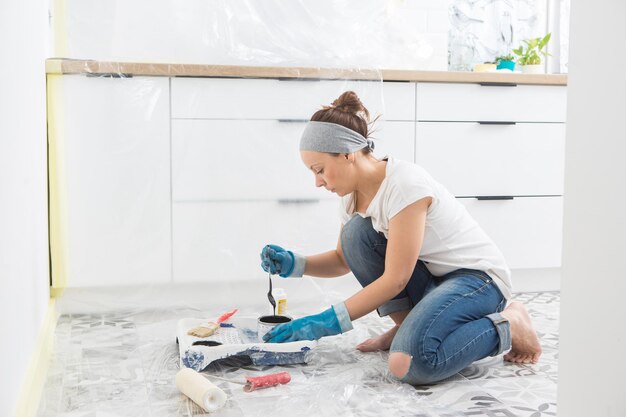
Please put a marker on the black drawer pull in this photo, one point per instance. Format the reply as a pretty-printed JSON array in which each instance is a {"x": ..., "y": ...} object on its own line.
[
  {"x": 298, "y": 201},
  {"x": 488, "y": 122},
  {"x": 498, "y": 84},
  {"x": 108, "y": 75},
  {"x": 494, "y": 197},
  {"x": 297, "y": 78}
]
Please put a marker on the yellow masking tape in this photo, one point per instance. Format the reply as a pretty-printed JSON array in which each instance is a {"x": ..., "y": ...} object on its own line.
[
  {"x": 59, "y": 28},
  {"x": 30, "y": 393},
  {"x": 54, "y": 66},
  {"x": 57, "y": 184}
]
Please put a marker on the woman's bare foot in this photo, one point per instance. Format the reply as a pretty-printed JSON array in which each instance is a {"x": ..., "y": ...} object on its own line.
[
  {"x": 382, "y": 342},
  {"x": 524, "y": 340}
]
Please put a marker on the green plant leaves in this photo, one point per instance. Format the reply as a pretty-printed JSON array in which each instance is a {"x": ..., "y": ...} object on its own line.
[{"x": 531, "y": 54}]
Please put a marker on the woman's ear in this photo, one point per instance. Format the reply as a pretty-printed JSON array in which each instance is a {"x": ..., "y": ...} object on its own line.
[{"x": 349, "y": 157}]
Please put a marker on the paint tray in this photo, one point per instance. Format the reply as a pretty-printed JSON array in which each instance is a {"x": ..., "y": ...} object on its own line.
[{"x": 235, "y": 344}]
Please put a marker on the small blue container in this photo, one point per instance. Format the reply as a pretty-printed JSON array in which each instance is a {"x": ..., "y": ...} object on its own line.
[{"x": 510, "y": 65}]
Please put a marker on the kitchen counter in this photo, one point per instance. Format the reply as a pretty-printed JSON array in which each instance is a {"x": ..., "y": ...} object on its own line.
[{"x": 70, "y": 66}]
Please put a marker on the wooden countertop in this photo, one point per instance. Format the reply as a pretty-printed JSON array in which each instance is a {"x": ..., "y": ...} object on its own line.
[{"x": 70, "y": 66}]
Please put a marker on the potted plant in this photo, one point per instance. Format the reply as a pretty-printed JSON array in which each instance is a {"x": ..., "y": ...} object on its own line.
[
  {"x": 530, "y": 56},
  {"x": 506, "y": 62}
]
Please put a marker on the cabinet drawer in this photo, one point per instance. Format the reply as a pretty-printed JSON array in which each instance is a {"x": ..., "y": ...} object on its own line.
[
  {"x": 396, "y": 139},
  {"x": 222, "y": 241},
  {"x": 222, "y": 98},
  {"x": 239, "y": 159},
  {"x": 527, "y": 229},
  {"x": 471, "y": 159},
  {"x": 474, "y": 102}
]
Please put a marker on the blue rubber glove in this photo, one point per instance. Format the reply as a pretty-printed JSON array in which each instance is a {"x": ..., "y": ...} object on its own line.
[
  {"x": 285, "y": 263},
  {"x": 330, "y": 322}
]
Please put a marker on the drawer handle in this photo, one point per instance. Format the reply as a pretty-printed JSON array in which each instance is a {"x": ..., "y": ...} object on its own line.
[
  {"x": 297, "y": 78},
  {"x": 108, "y": 75},
  {"x": 293, "y": 120},
  {"x": 488, "y": 122},
  {"x": 494, "y": 197},
  {"x": 498, "y": 84},
  {"x": 286, "y": 201}
]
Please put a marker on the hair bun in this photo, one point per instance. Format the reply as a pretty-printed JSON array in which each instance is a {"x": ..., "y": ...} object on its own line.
[{"x": 349, "y": 102}]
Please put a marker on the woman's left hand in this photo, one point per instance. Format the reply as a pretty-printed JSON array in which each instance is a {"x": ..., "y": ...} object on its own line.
[{"x": 312, "y": 327}]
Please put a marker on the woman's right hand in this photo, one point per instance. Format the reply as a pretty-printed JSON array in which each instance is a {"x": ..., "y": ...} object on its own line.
[{"x": 277, "y": 260}]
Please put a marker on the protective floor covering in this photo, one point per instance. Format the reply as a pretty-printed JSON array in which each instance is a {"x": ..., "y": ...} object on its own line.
[{"x": 124, "y": 363}]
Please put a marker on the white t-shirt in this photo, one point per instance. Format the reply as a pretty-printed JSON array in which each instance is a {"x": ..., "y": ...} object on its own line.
[{"x": 452, "y": 238}]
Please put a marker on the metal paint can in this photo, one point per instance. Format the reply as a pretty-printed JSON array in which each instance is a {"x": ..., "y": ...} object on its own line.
[{"x": 266, "y": 323}]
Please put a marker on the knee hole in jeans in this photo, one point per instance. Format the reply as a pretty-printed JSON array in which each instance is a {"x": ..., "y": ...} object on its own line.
[{"x": 399, "y": 364}]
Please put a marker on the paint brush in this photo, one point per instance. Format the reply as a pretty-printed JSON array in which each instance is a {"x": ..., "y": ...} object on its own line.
[
  {"x": 259, "y": 382},
  {"x": 208, "y": 329}
]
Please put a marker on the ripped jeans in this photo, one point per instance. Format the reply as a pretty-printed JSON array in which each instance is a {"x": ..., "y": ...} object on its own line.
[{"x": 454, "y": 319}]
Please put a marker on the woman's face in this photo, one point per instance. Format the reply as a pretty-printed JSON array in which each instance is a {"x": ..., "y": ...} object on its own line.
[{"x": 333, "y": 172}]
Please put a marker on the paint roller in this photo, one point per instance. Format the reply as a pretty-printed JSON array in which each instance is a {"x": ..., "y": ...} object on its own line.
[
  {"x": 210, "y": 397},
  {"x": 200, "y": 390}
]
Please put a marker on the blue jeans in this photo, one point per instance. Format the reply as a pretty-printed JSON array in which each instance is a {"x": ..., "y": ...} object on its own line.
[{"x": 454, "y": 319}]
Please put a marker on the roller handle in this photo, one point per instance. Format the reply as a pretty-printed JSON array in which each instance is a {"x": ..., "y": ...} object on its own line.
[{"x": 266, "y": 381}]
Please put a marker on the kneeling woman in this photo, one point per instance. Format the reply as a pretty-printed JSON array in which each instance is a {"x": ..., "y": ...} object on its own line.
[{"x": 420, "y": 257}]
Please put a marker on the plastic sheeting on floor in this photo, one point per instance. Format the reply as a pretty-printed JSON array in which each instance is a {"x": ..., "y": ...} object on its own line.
[{"x": 116, "y": 355}]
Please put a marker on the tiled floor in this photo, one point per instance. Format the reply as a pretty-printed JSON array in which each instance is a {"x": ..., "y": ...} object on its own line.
[{"x": 123, "y": 364}]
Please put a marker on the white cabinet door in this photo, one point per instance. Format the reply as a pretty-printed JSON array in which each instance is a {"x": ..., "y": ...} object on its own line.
[
  {"x": 218, "y": 241},
  {"x": 473, "y": 159},
  {"x": 113, "y": 139},
  {"x": 224, "y": 98},
  {"x": 475, "y": 102},
  {"x": 528, "y": 230}
]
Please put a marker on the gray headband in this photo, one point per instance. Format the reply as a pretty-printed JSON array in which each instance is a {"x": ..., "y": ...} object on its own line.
[{"x": 332, "y": 138}]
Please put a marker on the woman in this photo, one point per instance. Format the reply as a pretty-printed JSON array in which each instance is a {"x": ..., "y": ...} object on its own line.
[{"x": 418, "y": 254}]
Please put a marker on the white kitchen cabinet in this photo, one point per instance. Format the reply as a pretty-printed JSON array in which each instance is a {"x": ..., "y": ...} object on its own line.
[
  {"x": 504, "y": 145},
  {"x": 238, "y": 182},
  {"x": 113, "y": 148},
  {"x": 185, "y": 179},
  {"x": 223, "y": 240}
]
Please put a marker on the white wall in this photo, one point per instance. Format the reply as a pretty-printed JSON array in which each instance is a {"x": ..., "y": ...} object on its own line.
[
  {"x": 23, "y": 190},
  {"x": 593, "y": 291}
]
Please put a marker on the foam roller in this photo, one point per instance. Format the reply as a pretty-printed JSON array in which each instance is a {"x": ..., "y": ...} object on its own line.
[{"x": 200, "y": 390}]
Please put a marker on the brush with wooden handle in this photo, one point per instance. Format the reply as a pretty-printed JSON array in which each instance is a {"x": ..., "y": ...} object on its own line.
[{"x": 211, "y": 327}]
